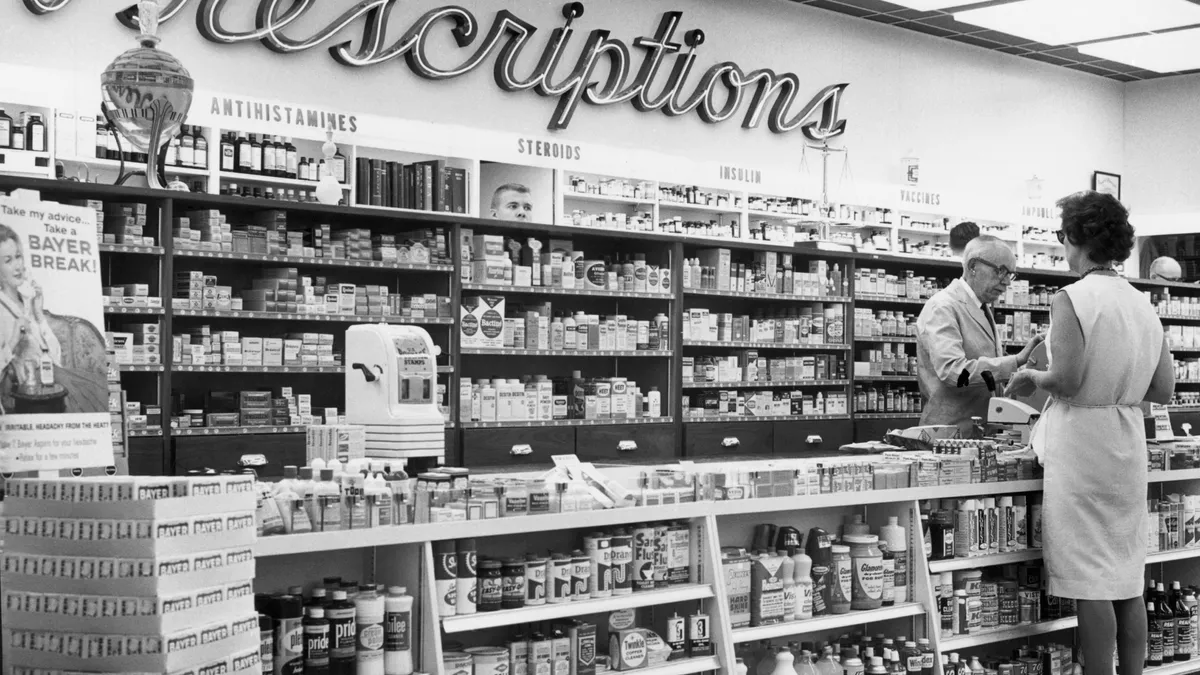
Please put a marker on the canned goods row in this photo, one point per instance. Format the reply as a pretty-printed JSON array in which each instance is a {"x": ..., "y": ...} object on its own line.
[
  {"x": 619, "y": 562},
  {"x": 969, "y": 603}
]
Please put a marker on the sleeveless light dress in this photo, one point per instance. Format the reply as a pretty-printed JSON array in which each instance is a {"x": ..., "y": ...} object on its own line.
[{"x": 1094, "y": 448}]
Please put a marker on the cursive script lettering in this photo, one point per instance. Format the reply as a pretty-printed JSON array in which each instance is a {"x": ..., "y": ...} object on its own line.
[{"x": 723, "y": 89}]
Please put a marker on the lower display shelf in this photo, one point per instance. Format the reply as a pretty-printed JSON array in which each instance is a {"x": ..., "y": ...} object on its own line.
[
  {"x": 763, "y": 418},
  {"x": 566, "y": 423},
  {"x": 684, "y": 667},
  {"x": 1177, "y": 668},
  {"x": 767, "y": 384},
  {"x": 1173, "y": 554},
  {"x": 528, "y": 615},
  {"x": 826, "y": 623},
  {"x": 984, "y": 561},
  {"x": 1173, "y": 474},
  {"x": 887, "y": 416},
  {"x": 237, "y": 431},
  {"x": 994, "y": 635}
]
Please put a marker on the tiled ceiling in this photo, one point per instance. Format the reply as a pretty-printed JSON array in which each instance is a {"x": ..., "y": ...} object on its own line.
[{"x": 941, "y": 23}]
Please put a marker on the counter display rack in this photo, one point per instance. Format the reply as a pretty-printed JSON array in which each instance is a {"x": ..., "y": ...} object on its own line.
[{"x": 683, "y": 434}]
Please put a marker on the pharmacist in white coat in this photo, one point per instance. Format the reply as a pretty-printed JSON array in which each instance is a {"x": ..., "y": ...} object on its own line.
[{"x": 957, "y": 339}]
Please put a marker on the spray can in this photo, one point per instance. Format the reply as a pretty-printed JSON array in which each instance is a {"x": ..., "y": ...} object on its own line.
[
  {"x": 316, "y": 642},
  {"x": 622, "y": 563},
  {"x": 445, "y": 575},
  {"x": 699, "y": 636},
  {"x": 342, "y": 634},
  {"x": 289, "y": 635},
  {"x": 397, "y": 632},
  {"x": 643, "y": 558},
  {"x": 465, "y": 595},
  {"x": 676, "y": 637}
]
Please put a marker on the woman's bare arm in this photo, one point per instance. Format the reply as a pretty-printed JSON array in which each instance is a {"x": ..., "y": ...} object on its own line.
[
  {"x": 1065, "y": 375},
  {"x": 1162, "y": 387}
]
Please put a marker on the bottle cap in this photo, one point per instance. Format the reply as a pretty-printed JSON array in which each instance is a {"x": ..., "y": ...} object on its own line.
[
  {"x": 316, "y": 612},
  {"x": 339, "y": 595}
]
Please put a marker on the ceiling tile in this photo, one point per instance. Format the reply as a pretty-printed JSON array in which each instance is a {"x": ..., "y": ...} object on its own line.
[
  {"x": 884, "y": 18},
  {"x": 839, "y": 7},
  {"x": 997, "y": 36},
  {"x": 1148, "y": 75},
  {"x": 972, "y": 40},
  {"x": 1013, "y": 50},
  {"x": 913, "y": 14},
  {"x": 1090, "y": 69},
  {"x": 1036, "y": 56},
  {"x": 1114, "y": 66},
  {"x": 947, "y": 22},
  {"x": 873, "y": 5},
  {"x": 1122, "y": 77},
  {"x": 1070, "y": 54},
  {"x": 928, "y": 30}
]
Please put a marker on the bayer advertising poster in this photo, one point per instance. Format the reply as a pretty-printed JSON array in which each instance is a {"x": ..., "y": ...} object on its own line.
[{"x": 53, "y": 361}]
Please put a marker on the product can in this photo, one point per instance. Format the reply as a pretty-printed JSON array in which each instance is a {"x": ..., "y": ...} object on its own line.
[
  {"x": 491, "y": 585},
  {"x": 866, "y": 564},
  {"x": 699, "y": 637},
  {"x": 960, "y": 613},
  {"x": 581, "y": 574},
  {"x": 1010, "y": 603},
  {"x": 599, "y": 549},
  {"x": 676, "y": 637},
  {"x": 518, "y": 656},
  {"x": 622, "y": 563},
  {"x": 660, "y": 556},
  {"x": 560, "y": 582},
  {"x": 457, "y": 663},
  {"x": 489, "y": 660},
  {"x": 1030, "y": 606},
  {"x": 840, "y": 580},
  {"x": 643, "y": 558},
  {"x": 513, "y": 584},
  {"x": 679, "y": 552},
  {"x": 535, "y": 581}
]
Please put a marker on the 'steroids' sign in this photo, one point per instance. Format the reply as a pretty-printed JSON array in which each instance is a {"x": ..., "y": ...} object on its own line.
[{"x": 720, "y": 93}]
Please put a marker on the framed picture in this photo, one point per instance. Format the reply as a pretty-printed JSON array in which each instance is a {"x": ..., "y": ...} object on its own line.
[{"x": 1108, "y": 183}]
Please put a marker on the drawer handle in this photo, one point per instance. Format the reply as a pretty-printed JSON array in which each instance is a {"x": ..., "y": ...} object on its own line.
[
  {"x": 253, "y": 460},
  {"x": 730, "y": 442},
  {"x": 814, "y": 439},
  {"x": 521, "y": 449},
  {"x": 627, "y": 446}
]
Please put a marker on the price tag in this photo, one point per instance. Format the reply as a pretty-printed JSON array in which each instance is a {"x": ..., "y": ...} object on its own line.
[{"x": 1162, "y": 422}]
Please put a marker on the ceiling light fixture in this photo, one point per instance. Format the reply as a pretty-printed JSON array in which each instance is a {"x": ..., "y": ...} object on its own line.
[
  {"x": 1161, "y": 53},
  {"x": 1060, "y": 22}
]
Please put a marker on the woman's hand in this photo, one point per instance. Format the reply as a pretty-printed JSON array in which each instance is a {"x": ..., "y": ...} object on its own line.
[
  {"x": 1022, "y": 383},
  {"x": 38, "y": 301},
  {"x": 1027, "y": 352}
]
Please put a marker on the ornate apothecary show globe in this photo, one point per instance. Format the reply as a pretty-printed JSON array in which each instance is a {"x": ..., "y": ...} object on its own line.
[{"x": 147, "y": 92}]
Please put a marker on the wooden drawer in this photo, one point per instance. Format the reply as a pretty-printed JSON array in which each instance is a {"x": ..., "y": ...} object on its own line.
[
  {"x": 791, "y": 438},
  {"x": 654, "y": 443},
  {"x": 498, "y": 448},
  {"x": 224, "y": 452},
  {"x": 729, "y": 439}
]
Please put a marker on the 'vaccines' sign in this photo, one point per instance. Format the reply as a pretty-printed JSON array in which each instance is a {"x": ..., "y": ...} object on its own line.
[{"x": 657, "y": 82}]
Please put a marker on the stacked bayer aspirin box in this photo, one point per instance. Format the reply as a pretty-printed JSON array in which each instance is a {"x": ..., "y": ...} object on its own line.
[{"x": 130, "y": 575}]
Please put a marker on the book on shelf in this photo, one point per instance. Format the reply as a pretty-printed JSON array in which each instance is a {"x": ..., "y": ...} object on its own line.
[{"x": 422, "y": 186}]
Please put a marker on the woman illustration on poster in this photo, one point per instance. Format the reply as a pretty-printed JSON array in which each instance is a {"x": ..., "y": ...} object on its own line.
[{"x": 32, "y": 374}]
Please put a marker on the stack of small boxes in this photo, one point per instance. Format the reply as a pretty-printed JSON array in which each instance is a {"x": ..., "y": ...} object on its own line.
[
  {"x": 130, "y": 575},
  {"x": 119, "y": 222},
  {"x": 196, "y": 290},
  {"x": 202, "y": 229},
  {"x": 282, "y": 407},
  {"x": 130, "y": 295},
  {"x": 141, "y": 347},
  {"x": 204, "y": 346}
]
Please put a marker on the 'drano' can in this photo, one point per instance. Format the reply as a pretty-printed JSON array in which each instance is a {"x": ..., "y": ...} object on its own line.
[
  {"x": 622, "y": 562},
  {"x": 559, "y": 582},
  {"x": 581, "y": 575},
  {"x": 599, "y": 549}
]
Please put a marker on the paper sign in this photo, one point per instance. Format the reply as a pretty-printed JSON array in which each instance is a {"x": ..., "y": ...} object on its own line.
[
  {"x": 53, "y": 359},
  {"x": 1162, "y": 422}
]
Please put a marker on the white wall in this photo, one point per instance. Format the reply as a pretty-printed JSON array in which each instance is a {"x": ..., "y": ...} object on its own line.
[
  {"x": 1162, "y": 152},
  {"x": 982, "y": 122}
]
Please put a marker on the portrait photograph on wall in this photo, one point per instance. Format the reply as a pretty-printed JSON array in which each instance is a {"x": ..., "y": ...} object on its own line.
[{"x": 511, "y": 192}]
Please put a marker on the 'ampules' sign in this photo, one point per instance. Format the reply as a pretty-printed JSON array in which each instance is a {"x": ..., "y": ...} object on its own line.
[{"x": 724, "y": 90}]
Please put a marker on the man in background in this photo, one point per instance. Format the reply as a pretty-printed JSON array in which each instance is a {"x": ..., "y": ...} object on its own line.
[
  {"x": 957, "y": 340},
  {"x": 1166, "y": 268},
  {"x": 961, "y": 235},
  {"x": 512, "y": 201}
]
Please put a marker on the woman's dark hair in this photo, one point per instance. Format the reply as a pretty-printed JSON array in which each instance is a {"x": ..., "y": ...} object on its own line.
[
  {"x": 1098, "y": 223},
  {"x": 962, "y": 234}
]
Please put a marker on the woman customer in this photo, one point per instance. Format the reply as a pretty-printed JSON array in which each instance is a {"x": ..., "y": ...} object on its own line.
[{"x": 1107, "y": 355}]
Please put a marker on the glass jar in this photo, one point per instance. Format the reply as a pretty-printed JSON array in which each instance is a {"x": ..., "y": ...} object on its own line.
[
  {"x": 840, "y": 580},
  {"x": 866, "y": 564}
]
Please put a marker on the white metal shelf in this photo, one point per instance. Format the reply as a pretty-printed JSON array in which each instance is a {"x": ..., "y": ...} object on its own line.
[
  {"x": 765, "y": 384},
  {"x": 958, "y": 643},
  {"x": 139, "y": 368},
  {"x": 886, "y": 415},
  {"x": 566, "y": 352},
  {"x": 1171, "y": 555},
  {"x": 730, "y": 344},
  {"x": 297, "y": 544},
  {"x": 683, "y": 206},
  {"x": 886, "y": 338},
  {"x": 607, "y": 199},
  {"x": 117, "y": 309},
  {"x": 885, "y": 378},
  {"x": 137, "y": 249},
  {"x": 270, "y": 181},
  {"x": 320, "y": 262},
  {"x": 547, "y": 290},
  {"x": 683, "y": 667},
  {"x": 826, "y": 623},
  {"x": 1177, "y": 474},
  {"x": 984, "y": 561},
  {"x": 216, "y": 368},
  {"x": 1177, "y": 668},
  {"x": 753, "y": 295},
  {"x": 547, "y": 612},
  {"x": 323, "y": 318},
  {"x": 840, "y": 499},
  {"x": 519, "y": 424},
  {"x": 763, "y": 418}
]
